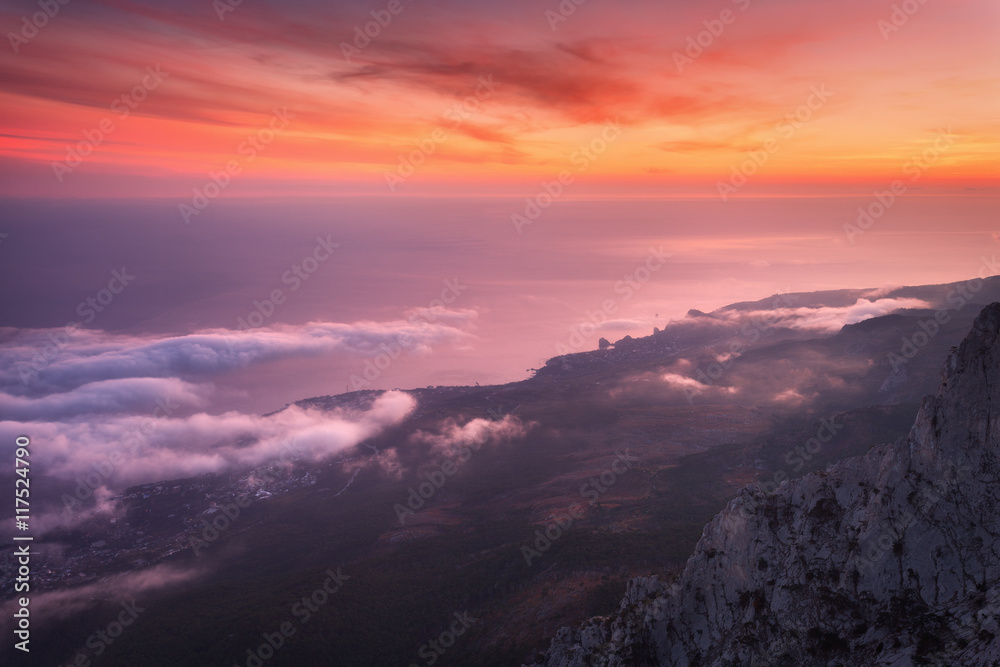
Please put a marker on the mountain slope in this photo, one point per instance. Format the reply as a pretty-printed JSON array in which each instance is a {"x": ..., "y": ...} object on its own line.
[
  {"x": 891, "y": 558},
  {"x": 762, "y": 389}
]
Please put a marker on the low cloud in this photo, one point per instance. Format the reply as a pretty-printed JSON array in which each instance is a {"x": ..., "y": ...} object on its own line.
[
  {"x": 779, "y": 375},
  {"x": 104, "y": 507},
  {"x": 880, "y": 292},
  {"x": 103, "y": 397},
  {"x": 452, "y": 438},
  {"x": 692, "y": 387},
  {"x": 386, "y": 460},
  {"x": 833, "y": 318},
  {"x": 137, "y": 449},
  {"x": 683, "y": 382},
  {"x": 53, "y": 606},
  {"x": 89, "y": 396},
  {"x": 789, "y": 396},
  {"x": 39, "y": 362}
]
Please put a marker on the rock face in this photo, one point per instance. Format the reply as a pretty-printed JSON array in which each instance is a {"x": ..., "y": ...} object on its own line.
[{"x": 892, "y": 558}]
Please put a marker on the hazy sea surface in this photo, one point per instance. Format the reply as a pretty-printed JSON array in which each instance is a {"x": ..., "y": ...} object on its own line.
[{"x": 518, "y": 298}]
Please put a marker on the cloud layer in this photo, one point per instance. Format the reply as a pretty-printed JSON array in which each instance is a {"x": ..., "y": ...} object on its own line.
[
  {"x": 54, "y": 606},
  {"x": 452, "y": 438},
  {"x": 131, "y": 449},
  {"x": 354, "y": 113},
  {"x": 832, "y": 319},
  {"x": 132, "y": 409},
  {"x": 43, "y": 362}
]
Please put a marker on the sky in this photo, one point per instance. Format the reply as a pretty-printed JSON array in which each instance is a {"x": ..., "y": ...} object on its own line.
[
  {"x": 634, "y": 99},
  {"x": 210, "y": 210}
]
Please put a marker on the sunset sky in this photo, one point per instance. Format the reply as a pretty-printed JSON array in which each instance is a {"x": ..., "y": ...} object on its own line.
[
  {"x": 692, "y": 88},
  {"x": 212, "y": 211},
  {"x": 539, "y": 154}
]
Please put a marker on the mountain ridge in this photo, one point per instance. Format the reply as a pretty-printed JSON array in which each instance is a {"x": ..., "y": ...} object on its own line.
[
  {"x": 864, "y": 561},
  {"x": 696, "y": 454}
]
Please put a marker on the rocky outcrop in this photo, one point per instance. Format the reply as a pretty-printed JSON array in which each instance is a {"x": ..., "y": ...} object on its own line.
[{"x": 892, "y": 558}]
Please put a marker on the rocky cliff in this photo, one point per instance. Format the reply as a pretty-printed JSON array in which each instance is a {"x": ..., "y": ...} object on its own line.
[{"x": 892, "y": 558}]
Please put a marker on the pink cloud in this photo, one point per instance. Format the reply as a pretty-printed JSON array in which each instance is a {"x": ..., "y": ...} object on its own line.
[
  {"x": 452, "y": 438},
  {"x": 831, "y": 318},
  {"x": 138, "y": 449}
]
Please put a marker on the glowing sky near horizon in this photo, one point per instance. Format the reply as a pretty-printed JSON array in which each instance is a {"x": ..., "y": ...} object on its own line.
[
  {"x": 890, "y": 89},
  {"x": 298, "y": 119}
]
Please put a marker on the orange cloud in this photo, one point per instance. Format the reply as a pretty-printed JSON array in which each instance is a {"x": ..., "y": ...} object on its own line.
[{"x": 686, "y": 126}]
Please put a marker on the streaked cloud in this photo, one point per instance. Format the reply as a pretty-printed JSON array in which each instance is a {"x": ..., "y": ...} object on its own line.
[
  {"x": 142, "y": 449},
  {"x": 45, "y": 362},
  {"x": 352, "y": 119},
  {"x": 831, "y": 318},
  {"x": 452, "y": 438},
  {"x": 133, "y": 405}
]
